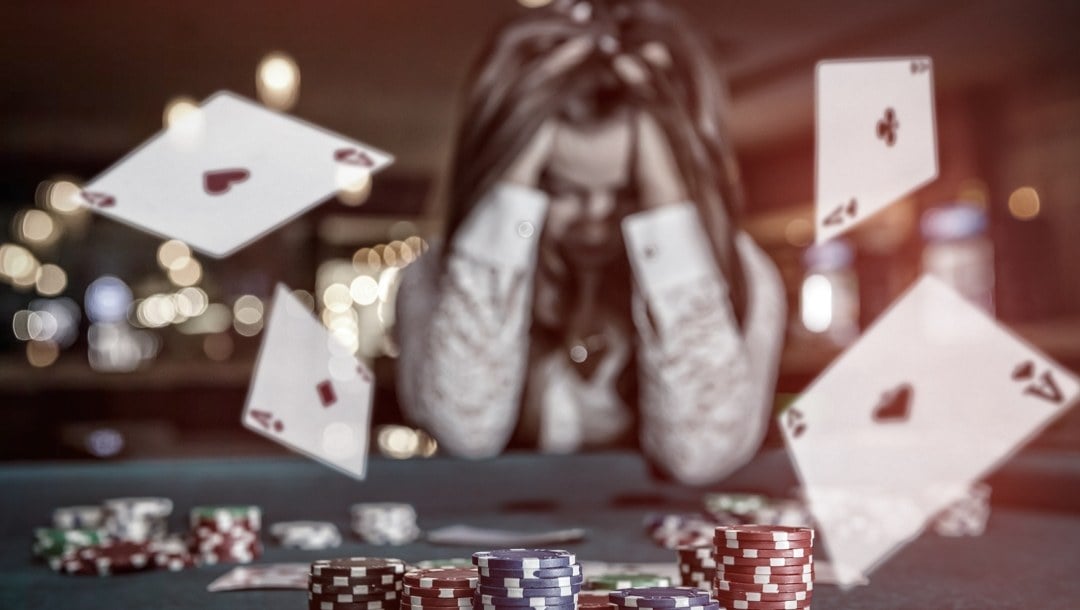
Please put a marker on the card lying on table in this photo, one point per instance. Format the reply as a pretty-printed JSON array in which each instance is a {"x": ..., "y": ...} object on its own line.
[
  {"x": 931, "y": 398},
  {"x": 221, "y": 176}
]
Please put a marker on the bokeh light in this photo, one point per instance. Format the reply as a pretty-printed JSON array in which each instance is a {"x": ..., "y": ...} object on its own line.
[
  {"x": 799, "y": 232},
  {"x": 816, "y": 304},
  {"x": 179, "y": 108},
  {"x": 364, "y": 290},
  {"x": 353, "y": 184},
  {"x": 248, "y": 310},
  {"x": 186, "y": 272},
  {"x": 1024, "y": 203},
  {"x": 42, "y": 353},
  {"x": 62, "y": 196},
  {"x": 107, "y": 300},
  {"x": 51, "y": 280},
  {"x": 172, "y": 254},
  {"x": 337, "y": 298},
  {"x": 277, "y": 81},
  {"x": 36, "y": 227}
]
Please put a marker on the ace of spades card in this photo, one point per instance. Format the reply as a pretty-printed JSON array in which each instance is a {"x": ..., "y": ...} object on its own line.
[
  {"x": 876, "y": 140},
  {"x": 931, "y": 398},
  {"x": 309, "y": 392},
  {"x": 227, "y": 173}
]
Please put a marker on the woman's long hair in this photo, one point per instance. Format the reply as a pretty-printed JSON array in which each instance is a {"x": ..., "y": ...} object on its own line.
[{"x": 640, "y": 54}]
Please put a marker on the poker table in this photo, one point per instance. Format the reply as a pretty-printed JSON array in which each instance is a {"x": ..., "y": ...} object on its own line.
[{"x": 1029, "y": 556}]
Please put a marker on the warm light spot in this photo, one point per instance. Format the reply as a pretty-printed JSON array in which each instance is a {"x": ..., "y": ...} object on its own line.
[
  {"x": 36, "y": 226},
  {"x": 1024, "y": 203},
  {"x": 247, "y": 330},
  {"x": 187, "y": 272},
  {"x": 337, "y": 297},
  {"x": 63, "y": 196},
  {"x": 534, "y": 3},
  {"x": 277, "y": 81},
  {"x": 799, "y": 232},
  {"x": 178, "y": 109},
  {"x": 218, "y": 346},
  {"x": 389, "y": 256},
  {"x": 42, "y": 353},
  {"x": 399, "y": 442},
  {"x": 973, "y": 191},
  {"x": 191, "y": 302},
  {"x": 156, "y": 310},
  {"x": 17, "y": 262},
  {"x": 305, "y": 298},
  {"x": 51, "y": 281},
  {"x": 364, "y": 290},
  {"x": 353, "y": 184},
  {"x": 172, "y": 254},
  {"x": 248, "y": 310},
  {"x": 817, "y": 303}
]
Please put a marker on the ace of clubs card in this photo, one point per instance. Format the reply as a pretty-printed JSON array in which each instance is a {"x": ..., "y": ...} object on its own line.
[
  {"x": 309, "y": 392},
  {"x": 876, "y": 139},
  {"x": 931, "y": 398}
]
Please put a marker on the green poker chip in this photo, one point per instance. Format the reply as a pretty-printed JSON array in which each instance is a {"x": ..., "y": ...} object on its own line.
[{"x": 611, "y": 582}]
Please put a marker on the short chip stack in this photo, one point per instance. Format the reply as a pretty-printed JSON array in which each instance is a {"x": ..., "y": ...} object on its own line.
[
  {"x": 307, "y": 535},
  {"x": 391, "y": 523},
  {"x": 50, "y": 542},
  {"x": 764, "y": 567},
  {"x": 355, "y": 583},
  {"x": 137, "y": 519},
  {"x": 696, "y": 566},
  {"x": 439, "y": 589},
  {"x": 225, "y": 534},
  {"x": 106, "y": 558},
  {"x": 663, "y": 598},
  {"x": 537, "y": 579}
]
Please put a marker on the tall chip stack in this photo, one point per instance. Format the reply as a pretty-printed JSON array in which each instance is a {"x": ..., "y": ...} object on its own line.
[
  {"x": 225, "y": 534},
  {"x": 764, "y": 567},
  {"x": 663, "y": 598},
  {"x": 696, "y": 566},
  {"x": 527, "y": 579},
  {"x": 355, "y": 583},
  {"x": 137, "y": 519},
  {"x": 439, "y": 588}
]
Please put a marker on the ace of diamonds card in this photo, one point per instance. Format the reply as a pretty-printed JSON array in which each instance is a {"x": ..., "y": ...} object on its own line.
[{"x": 932, "y": 398}]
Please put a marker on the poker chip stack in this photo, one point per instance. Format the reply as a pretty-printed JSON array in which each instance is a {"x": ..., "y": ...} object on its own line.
[
  {"x": 696, "y": 566},
  {"x": 78, "y": 517},
  {"x": 307, "y": 535},
  {"x": 225, "y": 534},
  {"x": 137, "y": 519},
  {"x": 511, "y": 579},
  {"x": 171, "y": 553},
  {"x": 384, "y": 522},
  {"x": 663, "y": 598},
  {"x": 51, "y": 542},
  {"x": 764, "y": 567},
  {"x": 355, "y": 583},
  {"x": 439, "y": 589},
  {"x": 105, "y": 558}
]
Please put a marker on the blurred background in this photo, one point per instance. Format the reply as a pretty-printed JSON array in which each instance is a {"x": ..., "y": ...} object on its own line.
[{"x": 116, "y": 344}]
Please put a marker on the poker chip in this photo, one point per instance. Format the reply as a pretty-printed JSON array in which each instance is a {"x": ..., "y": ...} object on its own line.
[
  {"x": 438, "y": 602},
  {"x": 314, "y": 604},
  {"x": 358, "y": 567},
  {"x": 728, "y": 585},
  {"x": 392, "y": 523},
  {"x": 353, "y": 598},
  {"x": 524, "y": 559},
  {"x": 536, "y": 583},
  {"x": 171, "y": 553},
  {"x": 534, "y": 592},
  {"x": 106, "y": 558},
  {"x": 756, "y": 596},
  {"x": 52, "y": 542},
  {"x": 627, "y": 581},
  {"x": 443, "y": 592},
  {"x": 480, "y": 606},
  {"x": 136, "y": 519},
  {"x": 767, "y": 578},
  {"x": 747, "y": 605},
  {"x": 225, "y": 534},
  {"x": 453, "y": 578},
  {"x": 78, "y": 517},
  {"x": 319, "y": 588},
  {"x": 660, "y": 597},
  {"x": 776, "y": 562},
  {"x": 752, "y": 553},
  {"x": 571, "y": 570},
  {"x": 554, "y": 601},
  {"x": 307, "y": 535},
  {"x": 805, "y": 568},
  {"x": 697, "y": 567},
  {"x": 775, "y": 533},
  {"x": 376, "y": 582}
]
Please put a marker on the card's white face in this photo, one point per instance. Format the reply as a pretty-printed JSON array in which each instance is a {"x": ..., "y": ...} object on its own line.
[
  {"x": 929, "y": 400},
  {"x": 309, "y": 392},
  {"x": 228, "y": 173},
  {"x": 876, "y": 138}
]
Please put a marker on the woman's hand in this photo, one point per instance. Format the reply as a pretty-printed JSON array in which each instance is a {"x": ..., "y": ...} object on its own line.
[
  {"x": 526, "y": 169},
  {"x": 659, "y": 180}
]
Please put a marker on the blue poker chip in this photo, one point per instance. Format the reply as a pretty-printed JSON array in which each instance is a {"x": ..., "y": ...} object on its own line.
[
  {"x": 660, "y": 597},
  {"x": 568, "y": 601},
  {"x": 571, "y": 570},
  {"x": 533, "y": 592},
  {"x": 532, "y": 583},
  {"x": 524, "y": 559}
]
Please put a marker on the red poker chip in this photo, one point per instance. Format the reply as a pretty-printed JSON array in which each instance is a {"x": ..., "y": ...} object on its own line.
[
  {"x": 442, "y": 578},
  {"x": 729, "y": 561},
  {"x": 754, "y": 596},
  {"x": 114, "y": 557},
  {"x": 442, "y": 592},
  {"x": 779, "y": 579},
  {"x": 752, "y": 553},
  {"x": 744, "y": 587},
  {"x": 805, "y": 568},
  {"x": 720, "y": 544},
  {"x": 745, "y": 605},
  {"x": 763, "y": 532}
]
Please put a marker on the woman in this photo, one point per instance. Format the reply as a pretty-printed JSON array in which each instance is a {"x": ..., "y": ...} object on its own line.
[{"x": 593, "y": 285}]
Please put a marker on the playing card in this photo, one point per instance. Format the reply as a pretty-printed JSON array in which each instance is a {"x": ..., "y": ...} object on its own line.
[
  {"x": 228, "y": 173},
  {"x": 928, "y": 401},
  {"x": 266, "y": 576},
  {"x": 876, "y": 139},
  {"x": 309, "y": 392}
]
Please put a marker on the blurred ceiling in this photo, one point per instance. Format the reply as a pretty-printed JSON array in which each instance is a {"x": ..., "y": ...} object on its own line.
[{"x": 89, "y": 80}]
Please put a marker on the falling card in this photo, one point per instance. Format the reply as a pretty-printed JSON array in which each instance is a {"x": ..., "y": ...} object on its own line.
[
  {"x": 876, "y": 139},
  {"x": 221, "y": 176},
  {"x": 309, "y": 392},
  {"x": 934, "y": 396}
]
